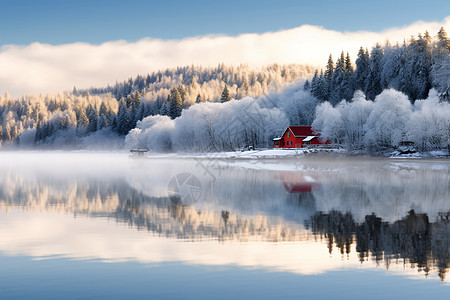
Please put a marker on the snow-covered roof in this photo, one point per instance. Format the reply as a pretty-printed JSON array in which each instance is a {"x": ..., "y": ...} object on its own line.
[
  {"x": 277, "y": 139},
  {"x": 309, "y": 138}
]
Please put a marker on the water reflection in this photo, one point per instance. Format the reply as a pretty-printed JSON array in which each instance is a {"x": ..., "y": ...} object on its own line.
[
  {"x": 413, "y": 240},
  {"x": 389, "y": 212}
]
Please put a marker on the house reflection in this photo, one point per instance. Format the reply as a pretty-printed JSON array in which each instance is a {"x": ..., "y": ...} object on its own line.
[{"x": 298, "y": 182}]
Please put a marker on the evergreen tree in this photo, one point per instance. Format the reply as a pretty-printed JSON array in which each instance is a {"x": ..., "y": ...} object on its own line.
[
  {"x": 328, "y": 75},
  {"x": 362, "y": 69},
  {"x": 418, "y": 68},
  {"x": 440, "y": 70},
  {"x": 348, "y": 85},
  {"x": 443, "y": 43},
  {"x": 182, "y": 93},
  {"x": 225, "y": 95},
  {"x": 337, "y": 79},
  {"x": 103, "y": 110},
  {"x": 82, "y": 119},
  {"x": 198, "y": 99},
  {"x": 373, "y": 87},
  {"x": 176, "y": 103},
  {"x": 329, "y": 69},
  {"x": 141, "y": 112},
  {"x": 122, "y": 119},
  {"x": 322, "y": 90},
  {"x": 307, "y": 85},
  {"x": 103, "y": 122},
  {"x": 93, "y": 120},
  {"x": 315, "y": 84}
]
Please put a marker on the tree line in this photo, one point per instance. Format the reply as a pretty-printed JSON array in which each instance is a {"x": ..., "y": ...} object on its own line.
[
  {"x": 413, "y": 68},
  {"x": 68, "y": 117}
]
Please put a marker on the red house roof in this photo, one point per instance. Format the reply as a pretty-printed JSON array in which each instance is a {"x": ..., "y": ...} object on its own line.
[{"x": 301, "y": 131}]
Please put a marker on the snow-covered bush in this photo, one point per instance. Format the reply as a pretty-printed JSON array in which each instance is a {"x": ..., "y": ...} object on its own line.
[
  {"x": 211, "y": 127},
  {"x": 384, "y": 123}
]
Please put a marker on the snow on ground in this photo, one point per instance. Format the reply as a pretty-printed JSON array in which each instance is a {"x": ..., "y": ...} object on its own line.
[
  {"x": 265, "y": 154},
  {"x": 260, "y": 154},
  {"x": 430, "y": 154}
]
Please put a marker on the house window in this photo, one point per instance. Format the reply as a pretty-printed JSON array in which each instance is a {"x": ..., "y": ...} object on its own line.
[{"x": 289, "y": 134}]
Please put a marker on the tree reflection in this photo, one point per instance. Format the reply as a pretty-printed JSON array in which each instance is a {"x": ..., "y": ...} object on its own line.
[
  {"x": 414, "y": 239},
  {"x": 255, "y": 210}
]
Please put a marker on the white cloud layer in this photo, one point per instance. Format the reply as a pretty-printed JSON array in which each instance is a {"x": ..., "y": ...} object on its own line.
[{"x": 41, "y": 68}]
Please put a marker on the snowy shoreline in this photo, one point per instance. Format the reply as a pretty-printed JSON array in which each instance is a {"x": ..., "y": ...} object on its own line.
[
  {"x": 260, "y": 154},
  {"x": 288, "y": 154}
]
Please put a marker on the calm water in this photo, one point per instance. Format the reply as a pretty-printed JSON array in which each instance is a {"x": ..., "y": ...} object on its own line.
[{"x": 99, "y": 225}]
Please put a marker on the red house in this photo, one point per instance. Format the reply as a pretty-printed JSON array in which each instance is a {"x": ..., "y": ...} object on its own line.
[{"x": 298, "y": 137}]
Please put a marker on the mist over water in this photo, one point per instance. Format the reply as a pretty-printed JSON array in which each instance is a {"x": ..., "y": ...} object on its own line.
[{"x": 310, "y": 215}]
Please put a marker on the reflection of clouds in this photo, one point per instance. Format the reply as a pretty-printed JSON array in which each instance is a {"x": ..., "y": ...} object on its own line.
[
  {"x": 46, "y": 235},
  {"x": 246, "y": 203},
  {"x": 55, "y": 235},
  {"x": 390, "y": 190}
]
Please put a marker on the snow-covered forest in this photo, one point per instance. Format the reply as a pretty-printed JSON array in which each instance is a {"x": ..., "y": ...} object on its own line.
[
  {"x": 413, "y": 68},
  {"x": 396, "y": 93},
  {"x": 92, "y": 117},
  {"x": 392, "y": 93}
]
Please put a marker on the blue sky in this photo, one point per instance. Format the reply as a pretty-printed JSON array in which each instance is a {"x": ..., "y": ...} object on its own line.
[
  {"x": 97, "y": 21},
  {"x": 56, "y": 62}
]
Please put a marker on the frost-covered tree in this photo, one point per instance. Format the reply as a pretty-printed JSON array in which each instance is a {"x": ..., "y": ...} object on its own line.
[{"x": 440, "y": 70}]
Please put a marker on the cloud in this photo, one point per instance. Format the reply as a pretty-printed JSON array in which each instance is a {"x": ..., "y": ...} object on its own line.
[{"x": 42, "y": 68}]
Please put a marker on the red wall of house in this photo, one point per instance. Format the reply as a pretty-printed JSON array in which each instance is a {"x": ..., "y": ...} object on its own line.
[{"x": 292, "y": 141}]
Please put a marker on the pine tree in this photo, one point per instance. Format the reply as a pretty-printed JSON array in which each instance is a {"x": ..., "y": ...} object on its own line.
[
  {"x": 443, "y": 43},
  {"x": 440, "y": 70},
  {"x": 225, "y": 95},
  {"x": 176, "y": 103},
  {"x": 82, "y": 119},
  {"x": 328, "y": 75},
  {"x": 307, "y": 85},
  {"x": 122, "y": 119},
  {"x": 103, "y": 110},
  {"x": 373, "y": 87},
  {"x": 323, "y": 88},
  {"x": 198, "y": 99},
  {"x": 348, "y": 85},
  {"x": 93, "y": 120},
  {"x": 337, "y": 79},
  {"x": 315, "y": 84},
  {"x": 362, "y": 69},
  {"x": 182, "y": 93},
  {"x": 103, "y": 122},
  {"x": 329, "y": 69},
  {"x": 418, "y": 68}
]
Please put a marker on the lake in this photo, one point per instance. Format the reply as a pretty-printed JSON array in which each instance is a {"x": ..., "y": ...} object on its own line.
[{"x": 102, "y": 225}]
